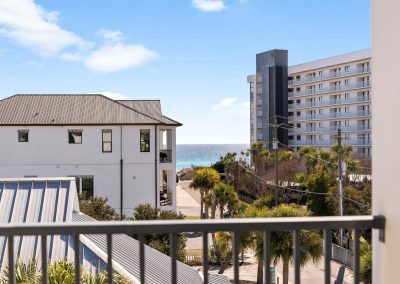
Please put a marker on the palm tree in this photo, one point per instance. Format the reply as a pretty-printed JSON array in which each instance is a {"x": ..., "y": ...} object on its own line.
[
  {"x": 230, "y": 167},
  {"x": 204, "y": 180},
  {"x": 282, "y": 242},
  {"x": 310, "y": 156},
  {"x": 225, "y": 196}
]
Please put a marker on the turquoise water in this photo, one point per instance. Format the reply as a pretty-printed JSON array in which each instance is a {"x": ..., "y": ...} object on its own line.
[{"x": 188, "y": 155}]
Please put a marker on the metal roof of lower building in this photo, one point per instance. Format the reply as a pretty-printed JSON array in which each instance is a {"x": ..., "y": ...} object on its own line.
[{"x": 35, "y": 200}]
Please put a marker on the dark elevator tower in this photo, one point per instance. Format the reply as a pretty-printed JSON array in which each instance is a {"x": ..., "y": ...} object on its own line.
[{"x": 272, "y": 86}]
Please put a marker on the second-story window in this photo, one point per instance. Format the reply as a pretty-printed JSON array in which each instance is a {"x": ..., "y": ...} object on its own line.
[
  {"x": 144, "y": 140},
  {"x": 23, "y": 135},
  {"x": 106, "y": 137},
  {"x": 75, "y": 136}
]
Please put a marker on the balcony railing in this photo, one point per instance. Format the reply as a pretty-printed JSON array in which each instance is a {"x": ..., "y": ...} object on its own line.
[
  {"x": 331, "y": 115},
  {"x": 165, "y": 156},
  {"x": 329, "y": 102},
  {"x": 165, "y": 196},
  {"x": 173, "y": 227},
  {"x": 329, "y": 75},
  {"x": 329, "y": 89}
]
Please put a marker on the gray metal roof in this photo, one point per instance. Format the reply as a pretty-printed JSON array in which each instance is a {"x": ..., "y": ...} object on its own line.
[
  {"x": 35, "y": 201},
  {"x": 85, "y": 109},
  {"x": 126, "y": 252},
  {"x": 150, "y": 107}
]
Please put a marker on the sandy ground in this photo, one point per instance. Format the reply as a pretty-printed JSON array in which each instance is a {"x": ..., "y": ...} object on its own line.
[{"x": 188, "y": 202}]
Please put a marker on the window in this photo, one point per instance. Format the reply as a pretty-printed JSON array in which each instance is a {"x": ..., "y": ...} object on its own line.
[
  {"x": 75, "y": 136},
  {"x": 144, "y": 140},
  {"x": 346, "y": 96},
  {"x": 347, "y": 82},
  {"x": 23, "y": 135},
  {"x": 320, "y": 73},
  {"x": 347, "y": 68},
  {"x": 106, "y": 137},
  {"x": 85, "y": 185},
  {"x": 298, "y": 137}
]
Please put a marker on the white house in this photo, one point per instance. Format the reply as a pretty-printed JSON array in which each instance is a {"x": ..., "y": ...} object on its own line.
[{"x": 121, "y": 150}]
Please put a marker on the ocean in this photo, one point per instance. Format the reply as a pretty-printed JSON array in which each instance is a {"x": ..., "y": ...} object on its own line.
[{"x": 188, "y": 155}]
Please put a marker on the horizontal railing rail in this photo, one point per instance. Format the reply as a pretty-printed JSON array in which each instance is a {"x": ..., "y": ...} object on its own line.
[
  {"x": 173, "y": 227},
  {"x": 329, "y": 75},
  {"x": 329, "y": 89}
]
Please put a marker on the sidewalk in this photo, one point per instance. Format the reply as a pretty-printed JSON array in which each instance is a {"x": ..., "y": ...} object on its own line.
[{"x": 185, "y": 202}]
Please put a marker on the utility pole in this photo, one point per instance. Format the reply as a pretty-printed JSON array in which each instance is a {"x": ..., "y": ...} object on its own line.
[
  {"x": 340, "y": 168},
  {"x": 275, "y": 148}
]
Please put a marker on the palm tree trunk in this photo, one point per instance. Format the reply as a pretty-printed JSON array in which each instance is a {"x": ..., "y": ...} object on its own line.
[
  {"x": 213, "y": 209},
  {"x": 221, "y": 212},
  {"x": 285, "y": 272},
  {"x": 201, "y": 203},
  {"x": 224, "y": 266},
  {"x": 260, "y": 272},
  {"x": 205, "y": 207}
]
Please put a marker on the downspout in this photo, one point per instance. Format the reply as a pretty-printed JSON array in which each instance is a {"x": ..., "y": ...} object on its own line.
[
  {"x": 121, "y": 172},
  {"x": 156, "y": 165}
]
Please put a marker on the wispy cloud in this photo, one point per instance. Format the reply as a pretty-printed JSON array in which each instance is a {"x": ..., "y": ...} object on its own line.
[
  {"x": 209, "y": 5},
  {"x": 111, "y": 36},
  {"x": 225, "y": 103},
  {"x": 30, "y": 25},
  {"x": 116, "y": 57},
  {"x": 232, "y": 106}
]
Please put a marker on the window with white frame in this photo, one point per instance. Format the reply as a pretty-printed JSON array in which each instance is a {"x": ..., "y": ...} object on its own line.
[{"x": 106, "y": 140}]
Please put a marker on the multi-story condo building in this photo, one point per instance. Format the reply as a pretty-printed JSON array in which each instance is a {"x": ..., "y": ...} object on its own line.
[
  {"x": 323, "y": 96},
  {"x": 120, "y": 150}
]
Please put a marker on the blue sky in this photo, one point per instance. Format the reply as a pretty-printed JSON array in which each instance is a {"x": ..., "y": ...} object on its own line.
[{"x": 193, "y": 55}]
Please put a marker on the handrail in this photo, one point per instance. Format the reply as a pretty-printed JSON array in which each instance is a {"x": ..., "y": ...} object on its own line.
[
  {"x": 173, "y": 227},
  {"x": 176, "y": 226}
]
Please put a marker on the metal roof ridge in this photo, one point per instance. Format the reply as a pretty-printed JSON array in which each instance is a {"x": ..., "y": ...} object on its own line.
[{"x": 117, "y": 102}]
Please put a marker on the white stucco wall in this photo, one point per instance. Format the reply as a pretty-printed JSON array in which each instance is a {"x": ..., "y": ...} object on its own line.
[
  {"x": 48, "y": 154},
  {"x": 385, "y": 135}
]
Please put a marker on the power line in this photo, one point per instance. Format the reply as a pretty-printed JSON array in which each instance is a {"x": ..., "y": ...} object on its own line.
[
  {"x": 318, "y": 158},
  {"x": 306, "y": 192}
]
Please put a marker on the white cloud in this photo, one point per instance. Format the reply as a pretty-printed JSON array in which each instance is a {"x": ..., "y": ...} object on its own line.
[
  {"x": 116, "y": 57},
  {"x": 31, "y": 26},
  {"x": 114, "y": 95},
  {"x": 209, "y": 5},
  {"x": 225, "y": 103},
  {"x": 232, "y": 106},
  {"x": 111, "y": 36},
  {"x": 68, "y": 56}
]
